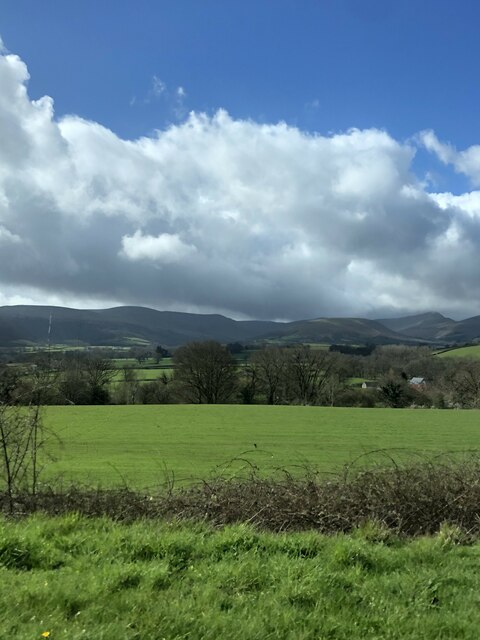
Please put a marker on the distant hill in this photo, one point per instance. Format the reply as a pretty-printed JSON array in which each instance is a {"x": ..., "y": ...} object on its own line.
[
  {"x": 426, "y": 326},
  {"x": 433, "y": 327},
  {"x": 338, "y": 331},
  {"x": 123, "y": 326},
  {"x": 464, "y": 331}
]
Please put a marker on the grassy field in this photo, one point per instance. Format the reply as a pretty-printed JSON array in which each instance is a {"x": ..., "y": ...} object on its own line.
[
  {"x": 462, "y": 352},
  {"x": 356, "y": 382},
  {"x": 107, "y": 444},
  {"x": 147, "y": 363},
  {"x": 144, "y": 375},
  {"x": 73, "y": 578}
]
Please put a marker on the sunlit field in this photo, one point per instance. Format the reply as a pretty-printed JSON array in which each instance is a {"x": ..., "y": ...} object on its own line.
[
  {"x": 462, "y": 352},
  {"x": 138, "y": 444}
]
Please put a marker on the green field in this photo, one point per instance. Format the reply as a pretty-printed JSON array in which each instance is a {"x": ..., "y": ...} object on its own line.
[
  {"x": 137, "y": 443},
  {"x": 72, "y": 578},
  {"x": 462, "y": 352},
  {"x": 144, "y": 375},
  {"x": 133, "y": 362},
  {"x": 356, "y": 382}
]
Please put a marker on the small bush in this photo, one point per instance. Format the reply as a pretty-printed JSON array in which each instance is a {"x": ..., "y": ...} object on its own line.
[{"x": 365, "y": 398}]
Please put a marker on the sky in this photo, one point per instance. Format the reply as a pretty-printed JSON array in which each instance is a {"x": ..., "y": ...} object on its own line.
[{"x": 270, "y": 159}]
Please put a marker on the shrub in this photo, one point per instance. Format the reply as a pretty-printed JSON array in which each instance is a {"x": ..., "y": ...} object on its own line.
[{"x": 420, "y": 498}]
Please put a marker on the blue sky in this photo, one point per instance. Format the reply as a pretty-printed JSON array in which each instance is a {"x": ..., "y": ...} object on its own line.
[{"x": 322, "y": 67}]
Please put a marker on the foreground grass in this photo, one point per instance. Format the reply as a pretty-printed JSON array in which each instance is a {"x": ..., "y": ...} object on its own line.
[
  {"x": 79, "y": 578},
  {"x": 136, "y": 444}
]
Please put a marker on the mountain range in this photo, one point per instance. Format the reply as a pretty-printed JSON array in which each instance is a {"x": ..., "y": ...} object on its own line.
[{"x": 122, "y": 326}]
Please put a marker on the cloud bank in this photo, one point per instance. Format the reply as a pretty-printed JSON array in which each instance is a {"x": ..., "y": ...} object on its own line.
[{"x": 252, "y": 220}]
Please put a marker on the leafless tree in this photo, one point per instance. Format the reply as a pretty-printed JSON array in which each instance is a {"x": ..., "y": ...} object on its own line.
[
  {"x": 86, "y": 379},
  {"x": 307, "y": 372},
  {"x": 270, "y": 368},
  {"x": 464, "y": 383},
  {"x": 205, "y": 372},
  {"x": 249, "y": 383},
  {"x": 99, "y": 372},
  {"x": 22, "y": 440},
  {"x": 129, "y": 386},
  {"x": 333, "y": 386}
]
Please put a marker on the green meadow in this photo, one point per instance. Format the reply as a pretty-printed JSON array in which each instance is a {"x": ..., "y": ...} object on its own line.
[{"x": 138, "y": 444}]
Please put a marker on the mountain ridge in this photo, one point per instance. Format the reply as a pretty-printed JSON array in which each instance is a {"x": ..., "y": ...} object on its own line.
[{"x": 120, "y": 326}]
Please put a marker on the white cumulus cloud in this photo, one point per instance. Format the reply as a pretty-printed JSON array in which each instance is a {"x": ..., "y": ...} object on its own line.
[
  {"x": 165, "y": 248},
  {"x": 466, "y": 161},
  {"x": 217, "y": 213}
]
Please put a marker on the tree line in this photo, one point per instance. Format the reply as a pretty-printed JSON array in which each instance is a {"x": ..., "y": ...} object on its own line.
[{"x": 209, "y": 373}]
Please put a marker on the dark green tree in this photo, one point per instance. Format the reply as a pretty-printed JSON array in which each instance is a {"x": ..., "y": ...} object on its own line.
[{"x": 393, "y": 391}]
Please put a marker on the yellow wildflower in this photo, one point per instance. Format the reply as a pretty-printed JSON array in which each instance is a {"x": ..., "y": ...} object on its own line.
[{"x": 46, "y": 634}]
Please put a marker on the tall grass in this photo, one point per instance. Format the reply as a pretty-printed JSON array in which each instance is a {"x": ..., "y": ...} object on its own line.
[{"x": 78, "y": 578}]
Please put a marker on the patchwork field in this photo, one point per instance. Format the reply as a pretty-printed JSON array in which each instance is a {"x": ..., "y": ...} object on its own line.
[
  {"x": 72, "y": 578},
  {"x": 139, "y": 443}
]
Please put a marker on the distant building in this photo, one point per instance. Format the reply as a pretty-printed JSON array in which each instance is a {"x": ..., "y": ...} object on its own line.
[
  {"x": 417, "y": 383},
  {"x": 368, "y": 384}
]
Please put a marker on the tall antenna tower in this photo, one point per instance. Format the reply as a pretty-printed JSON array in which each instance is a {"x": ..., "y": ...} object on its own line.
[{"x": 48, "y": 341}]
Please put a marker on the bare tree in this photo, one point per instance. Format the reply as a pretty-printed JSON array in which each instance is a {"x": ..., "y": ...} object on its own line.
[
  {"x": 9, "y": 380},
  {"x": 334, "y": 385},
  {"x": 205, "y": 372},
  {"x": 464, "y": 383},
  {"x": 269, "y": 365},
  {"x": 22, "y": 439},
  {"x": 249, "y": 383},
  {"x": 128, "y": 388},
  {"x": 307, "y": 372},
  {"x": 99, "y": 372},
  {"x": 86, "y": 379}
]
